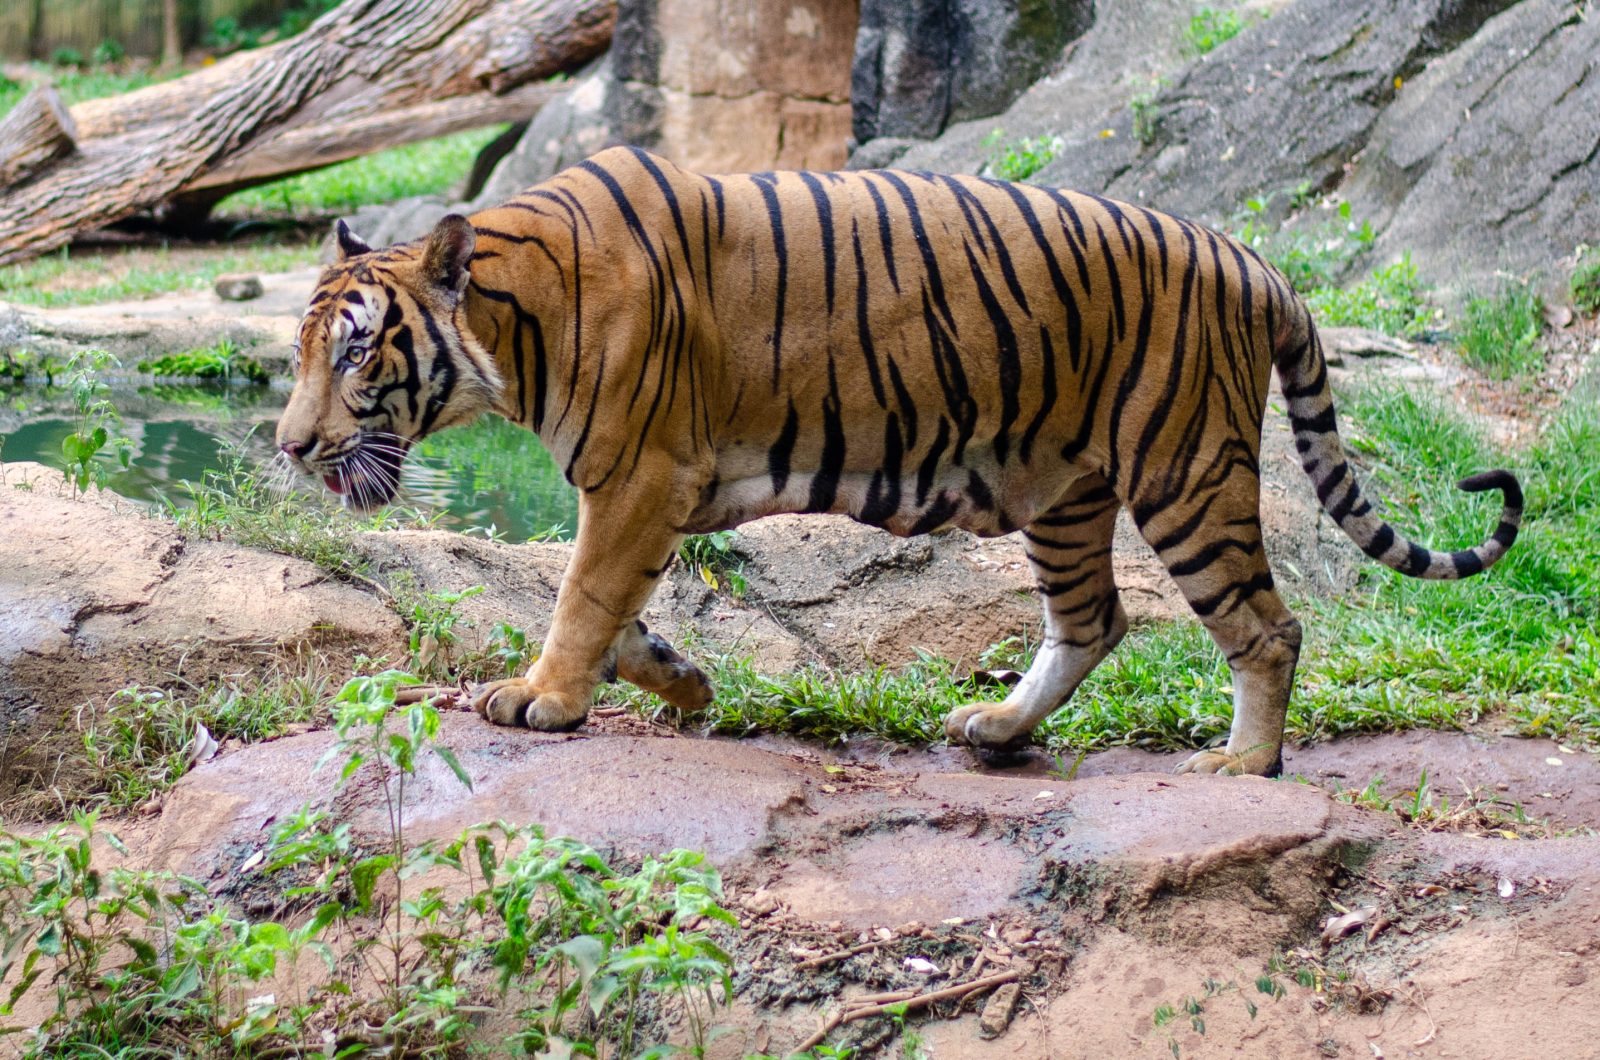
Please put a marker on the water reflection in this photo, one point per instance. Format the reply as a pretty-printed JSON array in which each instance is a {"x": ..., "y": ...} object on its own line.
[{"x": 487, "y": 476}]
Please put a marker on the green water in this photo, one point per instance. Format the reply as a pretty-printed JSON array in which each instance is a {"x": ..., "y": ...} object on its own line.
[{"x": 488, "y": 477}]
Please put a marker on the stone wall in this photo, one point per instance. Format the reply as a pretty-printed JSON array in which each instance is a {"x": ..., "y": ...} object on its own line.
[{"x": 725, "y": 85}]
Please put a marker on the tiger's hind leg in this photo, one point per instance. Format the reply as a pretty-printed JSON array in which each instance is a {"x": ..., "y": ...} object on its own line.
[
  {"x": 646, "y": 660},
  {"x": 1069, "y": 548},
  {"x": 1213, "y": 550}
]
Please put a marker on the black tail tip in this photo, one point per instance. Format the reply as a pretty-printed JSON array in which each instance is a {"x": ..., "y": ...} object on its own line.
[{"x": 1504, "y": 481}]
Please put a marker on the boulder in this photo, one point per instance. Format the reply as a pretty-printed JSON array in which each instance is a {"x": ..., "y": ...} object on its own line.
[
  {"x": 1466, "y": 131},
  {"x": 566, "y": 130},
  {"x": 1489, "y": 159},
  {"x": 919, "y": 66},
  {"x": 100, "y": 596}
]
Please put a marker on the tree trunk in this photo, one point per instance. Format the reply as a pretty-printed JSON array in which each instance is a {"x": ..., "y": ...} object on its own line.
[
  {"x": 36, "y": 132},
  {"x": 171, "y": 35},
  {"x": 362, "y": 61}
]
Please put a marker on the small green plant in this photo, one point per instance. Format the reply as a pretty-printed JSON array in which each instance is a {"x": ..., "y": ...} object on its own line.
[
  {"x": 96, "y": 416},
  {"x": 715, "y": 558},
  {"x": 70, "y": 57},
  {"x": 510, "y": 648},
  {"x": 1209, "y": 28},
  {"x": 139, "y": 962},
  {"x": 1146, "y": 115},
  {"x": 1499, "y": 333},
  {"x": 1022, "y": 158},
  {"x": 1584, "y": 285},
  {"x": 1311, "y": 256},
  {"x": 108, "y": 51},
  {"x": 1390, "y": 301},
  {"x": 141, "y": 743},
  {"x": 433, "y": 620},
  {"x": 224, "y": 362}
]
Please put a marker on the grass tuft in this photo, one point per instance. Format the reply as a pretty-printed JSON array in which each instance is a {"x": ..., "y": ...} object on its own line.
[
  {"x": 1209, "y": 29},
  {"x": 1020, "y": 159},
  {"x": 1391, "y": 301},
  {"x": 1584, "y": 284},
  {"x": 1499, "y": 334}
]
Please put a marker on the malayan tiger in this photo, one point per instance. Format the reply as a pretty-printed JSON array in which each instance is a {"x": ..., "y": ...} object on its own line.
[{"x": 914, "y": 350}]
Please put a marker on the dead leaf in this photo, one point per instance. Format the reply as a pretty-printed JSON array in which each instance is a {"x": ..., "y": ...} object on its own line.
[
  {"x": 1508, "y": 887},
  {"x": 1338, "y": 927}
]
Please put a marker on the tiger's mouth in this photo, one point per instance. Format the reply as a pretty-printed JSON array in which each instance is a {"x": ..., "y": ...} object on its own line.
[{"x": 368, "y": 477}]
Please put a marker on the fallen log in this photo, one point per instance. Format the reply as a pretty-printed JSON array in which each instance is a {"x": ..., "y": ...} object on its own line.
[
  {"x": 358, "y": 67},
  {"x": 36, "y": 132}
]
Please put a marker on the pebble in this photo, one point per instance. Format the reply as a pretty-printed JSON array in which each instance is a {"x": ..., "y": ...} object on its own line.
[
  {"x": 238, "y": 287},
  {"x": 998, "y": 1010}
]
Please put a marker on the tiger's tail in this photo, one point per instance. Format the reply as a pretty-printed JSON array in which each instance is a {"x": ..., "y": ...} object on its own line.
[{"x": 1303, "y": 374}]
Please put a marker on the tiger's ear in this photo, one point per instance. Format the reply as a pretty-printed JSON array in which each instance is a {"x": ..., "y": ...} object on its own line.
[
  {"x": 448, "y": 253},
  {"x": 348, "y": 242}
]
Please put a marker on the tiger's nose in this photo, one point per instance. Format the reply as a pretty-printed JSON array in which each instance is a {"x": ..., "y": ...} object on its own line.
[{"x": 297, "y": 450}]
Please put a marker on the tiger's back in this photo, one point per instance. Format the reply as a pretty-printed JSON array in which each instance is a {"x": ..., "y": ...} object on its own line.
[{"x": 914, "y": 350}]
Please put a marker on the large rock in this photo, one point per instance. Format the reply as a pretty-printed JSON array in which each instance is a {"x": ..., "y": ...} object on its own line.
[
  {"x": 566, "y": 130},
  {"x": 1288, "y": 101},
  {"x": 1123, "y": 893},
  {"x": 919, "y": 66},
  {"x": 1466, "y": 131},
  {"x": 1490, "y": 158},
  {"x": 99, "y": 596},
  {"x": 1130, "y": 46}
]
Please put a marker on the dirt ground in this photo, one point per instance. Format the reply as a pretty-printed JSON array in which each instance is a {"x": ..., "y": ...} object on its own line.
[{"x": 1111, "y": 895}]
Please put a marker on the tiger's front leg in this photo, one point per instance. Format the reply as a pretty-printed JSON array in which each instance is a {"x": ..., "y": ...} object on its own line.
[{"x": 626, "y": 539}]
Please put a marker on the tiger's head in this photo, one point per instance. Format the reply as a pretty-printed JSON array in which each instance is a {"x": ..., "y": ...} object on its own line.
[{"x": 383, "y": 358}]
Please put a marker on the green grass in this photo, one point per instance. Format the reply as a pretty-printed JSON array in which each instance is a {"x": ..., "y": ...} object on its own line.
[
  {"x": 66, "y": 279},
  {"x": 429, "y": 167},
  {"x": 1520, "y": 644},
  {"x": 143, "y": 740},
  {"x": 1499, "y": 334},
  {"x": 244, "y": 504},
  {"x": 1208, "y": 29},
  {"x": 76, "y": 85},
  {"x": 223, "y": 361},
  {"x": 1584, "y": 284},
  {"x": 1392, "y": 301},
  {"x": 1312, "y": 255}
]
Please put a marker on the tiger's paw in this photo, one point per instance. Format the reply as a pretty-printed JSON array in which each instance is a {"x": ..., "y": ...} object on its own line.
[
  {"x": 516, "y": 702},
  {"x": 1260, "y": 761},
  {"x": 987, "y": 726}
]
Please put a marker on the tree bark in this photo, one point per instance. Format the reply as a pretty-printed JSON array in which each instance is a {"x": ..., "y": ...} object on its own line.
[
  {"x": 36, "y": 132},
  {"x": 361, "y": 61}
]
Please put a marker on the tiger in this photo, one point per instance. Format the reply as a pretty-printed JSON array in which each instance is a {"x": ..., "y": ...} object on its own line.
[{"x": 915, "y": 350}]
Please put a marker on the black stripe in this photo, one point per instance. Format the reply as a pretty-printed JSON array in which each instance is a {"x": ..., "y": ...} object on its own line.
[
  {"x": 825, "y": 218},
  {"x": 1010, "y": 364},
  {"x": 930, "y": 462},
  {"x": 885, "y": 232},
  {"x": 782, "y": 450},
  {"x": 863, "y": 319},
  {"x": 825, "y": 483},
  {"x": 780, "y": 250}
]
